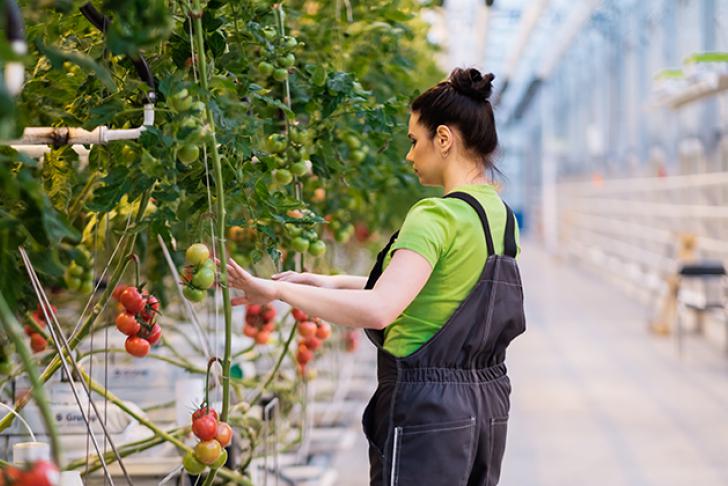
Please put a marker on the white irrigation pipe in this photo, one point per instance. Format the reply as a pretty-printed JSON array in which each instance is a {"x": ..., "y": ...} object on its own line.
[
  {"x": 20, "y": 417},
  {"x": 40, "y": 136}
]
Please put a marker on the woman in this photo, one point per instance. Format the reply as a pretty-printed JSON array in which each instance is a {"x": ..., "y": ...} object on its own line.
[{"x": 441, "y": 304}]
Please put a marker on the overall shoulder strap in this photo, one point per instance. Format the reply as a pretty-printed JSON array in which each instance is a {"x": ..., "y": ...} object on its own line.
[
  {"x": 379, "y": 264},
  {"x": 463, "y": 196},
  {"x": 509, "y": 238}
]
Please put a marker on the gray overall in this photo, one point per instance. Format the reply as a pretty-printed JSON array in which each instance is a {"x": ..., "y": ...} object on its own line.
[{"x": 439, "y": 415}]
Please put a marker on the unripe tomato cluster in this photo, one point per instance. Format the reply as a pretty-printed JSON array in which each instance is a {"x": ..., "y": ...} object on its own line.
[
  {"x": 259, "y": 322},
  {"x": 199, "y": 272},
  {"x": 137, "y": 319},
  {"x": 281, "y": 56},
  {"x": 37, "y": 342},
  {"x": 191, "y": 132},
  {"x": 312, "y": 332},
  {"x": 214, "y": 436},
  {"x": 40, "y": 473},
  {"x": 303, "y": 236},
  {"x": 79, "y": 274}
]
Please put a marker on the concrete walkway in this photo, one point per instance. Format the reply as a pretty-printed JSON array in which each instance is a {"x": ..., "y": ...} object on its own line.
[{"x": 596, "y": 399}]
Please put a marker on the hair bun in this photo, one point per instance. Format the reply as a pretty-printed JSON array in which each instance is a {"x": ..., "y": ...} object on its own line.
[{"x": 471, "y": 83}]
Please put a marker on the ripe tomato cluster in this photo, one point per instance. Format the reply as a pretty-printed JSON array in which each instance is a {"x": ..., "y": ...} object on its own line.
[
  {"x": 199, "y": 272},
  {"x": 313, "y": 332},
  {"x": 214, "y": 436},
  {"x": 41, "y": 473},
  {"x": 37, "y": 342},
  {"x": 137, "y": 319},
  {"x": 259, "y": 322},
  {"x": 351, "y": 340}
]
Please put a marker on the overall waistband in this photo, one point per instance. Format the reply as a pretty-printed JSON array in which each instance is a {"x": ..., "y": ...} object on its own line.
[{"x": 391, "y": 373}]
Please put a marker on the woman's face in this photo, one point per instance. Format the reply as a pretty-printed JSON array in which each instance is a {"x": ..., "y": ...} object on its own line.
[{"x": 425, "y": 158}]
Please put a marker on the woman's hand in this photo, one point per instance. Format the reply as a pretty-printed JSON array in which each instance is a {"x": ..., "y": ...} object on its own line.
[
  {"x": 304, "y": 278},
  {"x": 257, "y": 290}
]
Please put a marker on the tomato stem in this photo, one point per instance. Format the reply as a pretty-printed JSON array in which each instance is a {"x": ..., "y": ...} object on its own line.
[{"x": 220, "y": 188}]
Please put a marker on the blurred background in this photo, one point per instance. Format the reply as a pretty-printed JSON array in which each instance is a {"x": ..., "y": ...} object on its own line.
[{"x": 613, "y": 122}]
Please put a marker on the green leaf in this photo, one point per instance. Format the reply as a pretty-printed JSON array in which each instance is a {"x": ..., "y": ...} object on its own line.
[{"x": 57, "y": 57}]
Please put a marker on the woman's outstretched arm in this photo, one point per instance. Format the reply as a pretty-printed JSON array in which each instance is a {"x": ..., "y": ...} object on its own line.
[
  {"x": 318, "y": 280},
  {"x": 400, "y": 283}
]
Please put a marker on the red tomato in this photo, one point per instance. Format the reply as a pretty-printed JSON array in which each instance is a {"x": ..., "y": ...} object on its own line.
[
  {"x": 269, "y": 314},
  {"x": 202, "y": 411},
  {"x": 116, "y": 294},
  {"x": 262, "y": 337},
  {"x": 152, "y": 335},
  {"x": 208, "y": 451},
  {"x": 205, "y": 427},
  {"x": 132, "y": 300},
  {"x": 299, "y": 315},
  {"x": 37, "y": 342},
  {"x": 252, "y": 319},
  {"x": 253, "y": 309},
  {"x": 324, "y": 331},
  {"x": 269, "y": 326},
  {"x": 127, "y": 324},
  {"x": 137, "y": 346},
  {"x": 250, "y": 331},
  {"x": 28, "y": 330},
  {"x": 224, "y": 434},
  {"x": 312, "y": 343},
  {"x": 11, "y": 473},
  {"x": 151, "y": 308},
  {"x": 307, "y": 329},
  {"x": 43, "y": 473},
  {"x": 303, "y": 355}
]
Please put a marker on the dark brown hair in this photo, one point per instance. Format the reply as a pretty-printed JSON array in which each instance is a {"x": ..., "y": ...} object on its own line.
[{"x": 462, "y": 101}]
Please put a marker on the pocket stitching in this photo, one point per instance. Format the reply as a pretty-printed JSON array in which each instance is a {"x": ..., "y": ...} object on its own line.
[
  {"x": 456, "y": 425},
  {"x": 464, "y": 425}
]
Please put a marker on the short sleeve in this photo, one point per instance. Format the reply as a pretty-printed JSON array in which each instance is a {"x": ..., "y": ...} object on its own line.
[{"x": 426, "y": 229}]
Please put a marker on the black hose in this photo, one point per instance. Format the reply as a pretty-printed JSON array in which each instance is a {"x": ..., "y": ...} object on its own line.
[{"x": 101, "y": 22}]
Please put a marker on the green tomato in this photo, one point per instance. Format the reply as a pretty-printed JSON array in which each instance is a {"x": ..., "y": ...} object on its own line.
[
  {"x": 276, "y": 143},
  {"x": 287, "y": 61},
  {"x": 299, "y": 169},
  {"x": 203, "y": 278},
  {"x": 352, "y": 141},
  {"x": 181, "y": 102},
  {"x": 192, "y": 465},
  {"x": 127, "y": 154},
  {"x": 280, "y": 74},
  {"x": 209, "y": 263},
  {"x": 297, "y": 135},
  {"x": 265, "y": 68},
  {"x": 73, "y": 283},
  {"x": 87, "y": 286},
  {"x": 358, "y": 155},
  {"x": 220, "y": 460},
  {"x": 293, "y": 229},
  {"x": 317, "y": 248},
  {"x": 310, "y": 235},
  {"x": 300, "y": 244},
  {"x": 282, "y": 176},
  {"x": 188, "y": 153},
  {"x": 289, "y": 42},
  {"x": 196, "y": 254},
  {"x": 74, "y": 269},
  {"x": 269, "y": 33},
  {"x": 194, "y": 295}
]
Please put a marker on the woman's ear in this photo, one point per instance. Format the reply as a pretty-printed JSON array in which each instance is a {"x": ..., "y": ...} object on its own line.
[{"x": 444, "y": 139}]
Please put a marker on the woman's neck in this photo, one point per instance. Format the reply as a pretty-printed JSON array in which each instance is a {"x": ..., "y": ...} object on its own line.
[{"x": 460, "y": 176}]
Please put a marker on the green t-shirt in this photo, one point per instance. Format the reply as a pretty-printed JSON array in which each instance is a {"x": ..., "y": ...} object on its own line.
[{"x": 448, "y": 233}]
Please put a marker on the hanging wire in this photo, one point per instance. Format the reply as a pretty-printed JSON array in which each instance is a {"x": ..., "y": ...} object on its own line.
[
  {"x": 60, "y": 342},
  {"x": 20, "y": 417}
]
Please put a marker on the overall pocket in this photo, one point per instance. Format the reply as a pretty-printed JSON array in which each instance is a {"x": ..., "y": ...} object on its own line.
[
  {"x": 433, "y": 454},
  {"x": 496, "y": 449}
]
